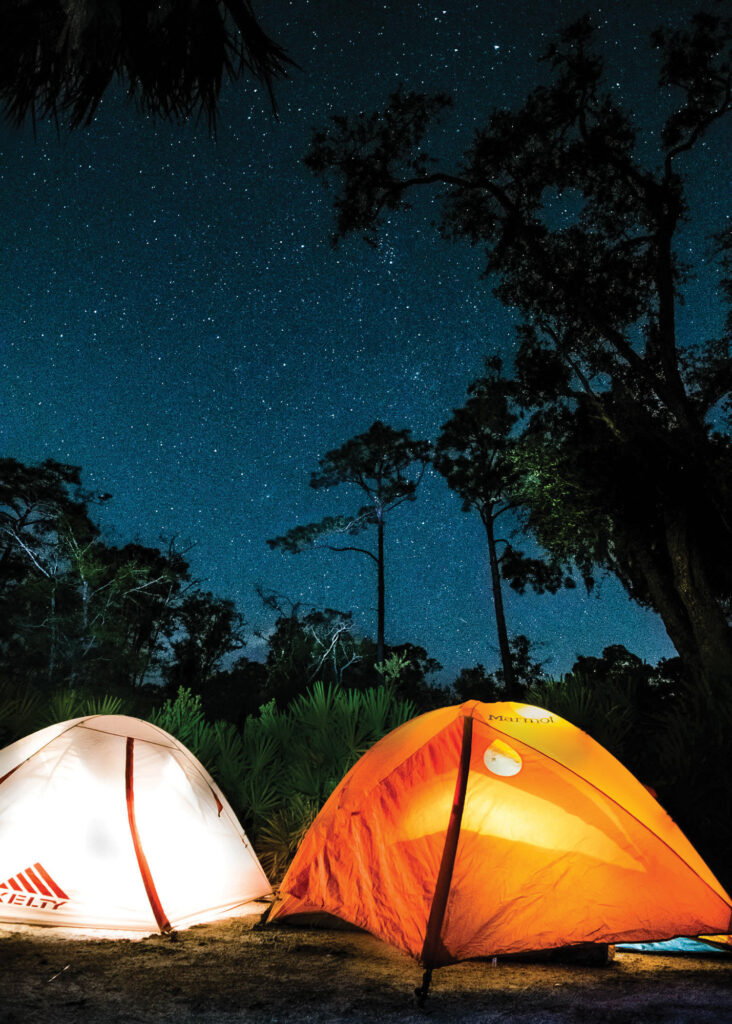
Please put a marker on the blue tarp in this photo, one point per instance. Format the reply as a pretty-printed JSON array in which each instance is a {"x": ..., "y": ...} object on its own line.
[{"x": 692, "y": 947}]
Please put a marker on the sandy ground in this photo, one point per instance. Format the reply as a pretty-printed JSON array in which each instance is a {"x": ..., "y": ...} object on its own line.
[{"x": 230, "y": 972}]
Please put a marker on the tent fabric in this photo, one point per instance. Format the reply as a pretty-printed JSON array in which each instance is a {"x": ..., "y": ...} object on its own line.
[
  {"x": 109, "y": 822},
  {"x": 557, "y": 843}
]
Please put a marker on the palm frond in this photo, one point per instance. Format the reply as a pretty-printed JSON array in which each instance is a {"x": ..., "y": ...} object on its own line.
[
  {"x": 63, "y": 705},
  {"x": 58, "y": 57},
  {"x": 279, "y": 839},
  {"x": 106, "y": 705},
  {"x": 20, "y": 712}
]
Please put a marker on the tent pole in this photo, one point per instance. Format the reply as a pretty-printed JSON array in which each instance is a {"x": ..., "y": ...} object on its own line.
[
  {"x": 430, "y": 950},
  {"x": 152, "y": 894}
]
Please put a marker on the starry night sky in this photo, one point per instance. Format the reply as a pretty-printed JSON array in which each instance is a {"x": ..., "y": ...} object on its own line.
[{"x": 174, "y": 320}]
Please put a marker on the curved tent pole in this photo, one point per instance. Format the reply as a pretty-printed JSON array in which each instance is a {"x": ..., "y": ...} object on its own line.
[{"x": 147, "y": 880}]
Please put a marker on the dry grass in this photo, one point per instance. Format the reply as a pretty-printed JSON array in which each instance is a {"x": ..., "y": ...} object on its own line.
[{"x": 228, "y": 972}]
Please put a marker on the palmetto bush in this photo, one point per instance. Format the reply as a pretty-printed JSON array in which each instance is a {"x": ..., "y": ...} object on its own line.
[
  {"x": 279, "y": 770},
  {"x": 691, "y": 748},
  {"x": 184, "y": 718},
  {"x": 607, "y": 713},
  {"x": 276, "y": 772},
  {"x": 295, "y": 758},
  {"x": 64, "y": 705},
  {"x": 20, "y": 712},
  {"x": 23, "y": 712}
]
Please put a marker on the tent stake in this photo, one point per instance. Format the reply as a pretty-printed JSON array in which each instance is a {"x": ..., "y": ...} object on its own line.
[{"x": 420, "y": 994}]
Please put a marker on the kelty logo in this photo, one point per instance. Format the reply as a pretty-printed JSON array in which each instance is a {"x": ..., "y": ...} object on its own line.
[{"x": 35, "y": 888}]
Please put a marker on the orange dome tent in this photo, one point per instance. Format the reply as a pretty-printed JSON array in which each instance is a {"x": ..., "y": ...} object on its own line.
[{"x": 485, "y": 829}]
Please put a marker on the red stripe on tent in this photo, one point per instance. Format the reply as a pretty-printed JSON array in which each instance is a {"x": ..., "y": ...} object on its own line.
[
  {"x": 40, "y": 887},
  {"x": 25, "y": 883},
  {"x": 13, "y": 884},
  {"x": 432, "y": 947},
  {"x": 147, "y": 880},
  {"x": 53, "y": 886},
  {"x": 50, "y": 882}
]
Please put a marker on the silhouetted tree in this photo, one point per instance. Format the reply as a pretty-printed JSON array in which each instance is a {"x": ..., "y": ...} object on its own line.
[
  {"x": 377, "y": 462},
  {"x": 630, "y": 463},
  {"x": 313, "y": 645},
  {"x": 75, "y": 611},
  {"x": 413, "y": 682},
  {"x": 235, "y": 693},
  {"x": 146, "y": 618},
  {"x": 474, "y": 453},
  {"x": 58, "y": 57},
  {"x": 208, "y": 628},
  {"x": 39, "y": 507},
  {"x": 527, "y": 671},
  {"x": 118, "y": 602},
  {"x": 476, "y": 684},
  {"x": 36, "y": 504}
]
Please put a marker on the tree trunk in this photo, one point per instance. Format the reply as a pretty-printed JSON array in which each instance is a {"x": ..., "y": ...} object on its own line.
[
  {"x": 677, "y": 584},
  {"x": 657, "y": 576},
  {"x": 381, "y": 613},
  {"x": 506, "y": 661},
  {"x": 707, "y": 620}
]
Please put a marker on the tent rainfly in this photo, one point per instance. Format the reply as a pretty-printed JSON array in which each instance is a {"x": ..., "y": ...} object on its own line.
[
  {"x": 485, "y": 829},
  {"x": 109, "y": 822}
]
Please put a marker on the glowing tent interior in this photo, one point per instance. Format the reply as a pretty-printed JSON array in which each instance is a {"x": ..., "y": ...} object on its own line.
[
  {"x": 109, "y": 822},
  {"x": 485, "y": 829}
]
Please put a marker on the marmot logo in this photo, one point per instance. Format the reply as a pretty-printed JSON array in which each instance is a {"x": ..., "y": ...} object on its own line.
[{"x": 521, "y": 721}]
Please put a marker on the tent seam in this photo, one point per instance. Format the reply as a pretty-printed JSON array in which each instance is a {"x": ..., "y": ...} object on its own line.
[{"x": 21, "y": 764}]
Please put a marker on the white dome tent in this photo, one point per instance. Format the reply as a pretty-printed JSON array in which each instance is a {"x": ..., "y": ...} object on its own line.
[{"x": 108, "y": 822}]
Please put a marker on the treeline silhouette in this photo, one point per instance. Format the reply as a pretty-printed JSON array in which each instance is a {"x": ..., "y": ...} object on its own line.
[{"x": 88, "y": 627}]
